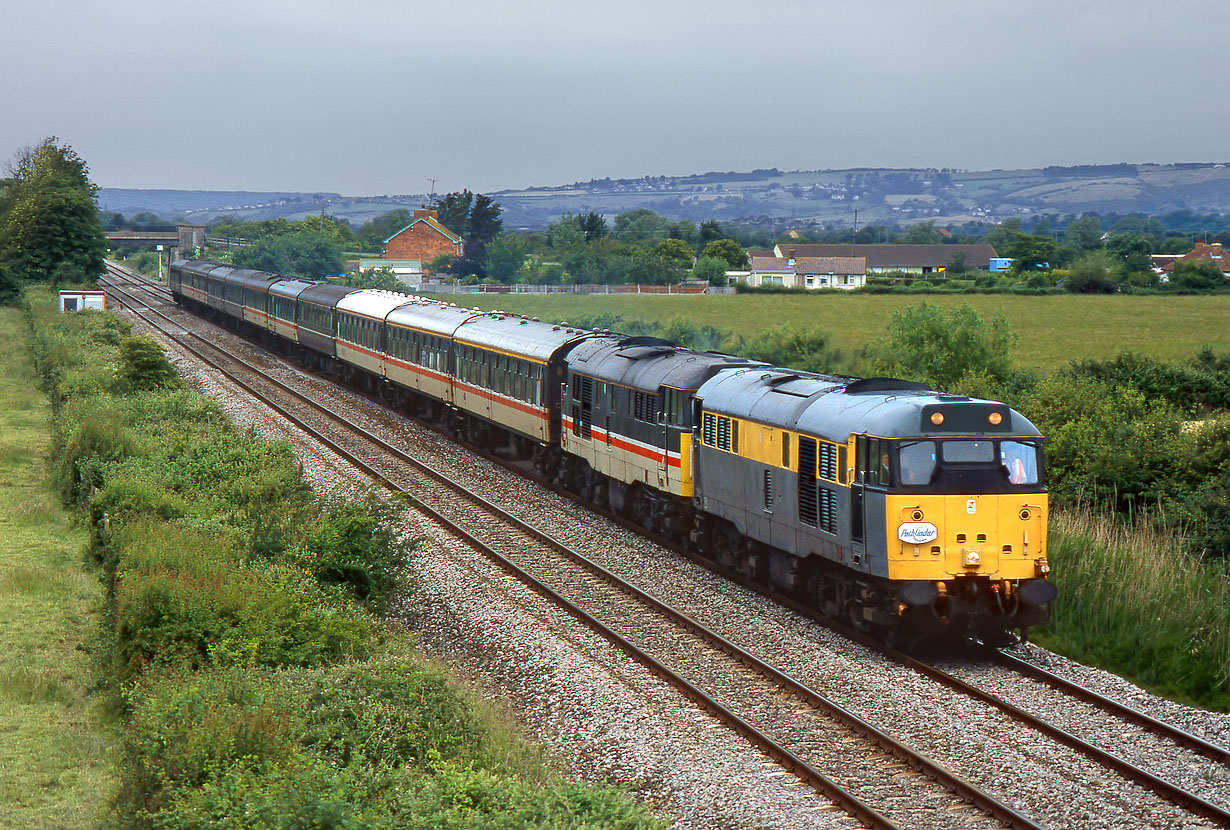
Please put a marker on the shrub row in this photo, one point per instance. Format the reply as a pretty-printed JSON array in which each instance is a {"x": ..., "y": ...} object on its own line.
[{"x": 242, "y": 635}]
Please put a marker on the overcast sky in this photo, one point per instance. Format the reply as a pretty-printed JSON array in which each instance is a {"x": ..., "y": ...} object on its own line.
[{"x": 377, "y": 96}]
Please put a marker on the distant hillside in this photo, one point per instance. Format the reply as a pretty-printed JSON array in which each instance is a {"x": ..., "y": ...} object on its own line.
[
  {"x": 820, "y": 197},
  {"x": 198, "y": 205}
]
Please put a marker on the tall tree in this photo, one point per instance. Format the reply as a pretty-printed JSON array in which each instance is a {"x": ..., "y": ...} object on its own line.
[
  {"x": 49, "y": 224},
  {"x": 593, "y": 225},
  {"x": 484, "y": 222},
  {"x": 1132, "y": 249},
  {"x": 1031, "y": 252},
  {"x": 729, "y": 250},
  {"x": 505, "y": 256},
  {"x": 1084, "y": 234},
  {"x": 710, "y": 231},
  {"x": 453, "y": 210},
  {"x": 303, "y": 254},
  {"x": 640, "y": 225}
]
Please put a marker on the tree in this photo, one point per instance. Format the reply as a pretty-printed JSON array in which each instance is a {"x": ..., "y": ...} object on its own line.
[
  {"x": 926, "y": 345},
  {"x": 10, "y": 287},
  {"x": 1032, "y": 253},
  {"x": 684, "y": 229},
  {"x": 382, "y": 278},
  {"x": 640, "y": 225},
  {"x": 49, "y": 223},
  {"x": 1084, "y": 234},
  {"x": 505, "y": 256},
  {"x": 474, "y": 216},
  {"x": 1198, "y": 275},
  {"x": 711, "y": 230},
  {"x": 676, "y": 250},
  {"x": 729, "y": 250},
  {"x": 1132, "y": 251},
  {"x": 565, "y": 234},
  {"x": 484, "y": 222},
  {"x": 1001, "y": 236},
  {"x": 593, "y": 225},
  {"x": 922, "y": 233},
  {"x": 453, "y": 210},
  {"x": 651, "y": 268},
  {"x": 373, "y": 232},
  {"x": 711, "y": 268},
  {"x": 1094, "y": 273},
  {"x": 303, "y": 254}
]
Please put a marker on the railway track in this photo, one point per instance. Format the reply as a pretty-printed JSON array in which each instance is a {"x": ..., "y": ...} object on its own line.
[
  {"x": 797, "y": 726},
  {"x": 792, "y": 758}
]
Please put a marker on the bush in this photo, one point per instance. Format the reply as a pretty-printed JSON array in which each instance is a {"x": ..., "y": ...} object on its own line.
[
  {"x": 354, "y": 544},
  {"x": 1202, "y": 384},
  {"x": 187, "y": 731},
  {"x": 926, "y": 345},
  {"x": 143, "y": 365},
  {"x": 182, "y": 598},
  {"x": 1103, "y": 442}
]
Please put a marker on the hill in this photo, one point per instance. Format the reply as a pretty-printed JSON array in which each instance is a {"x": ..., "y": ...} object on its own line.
[{"x": 771, "y": 196}]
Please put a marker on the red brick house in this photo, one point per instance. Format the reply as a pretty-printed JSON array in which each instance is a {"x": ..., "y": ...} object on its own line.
[{"x": 424, "y": 239}]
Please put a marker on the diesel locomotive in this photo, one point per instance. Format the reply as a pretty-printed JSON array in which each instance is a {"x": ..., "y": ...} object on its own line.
[{"x": 907, "y": 512}]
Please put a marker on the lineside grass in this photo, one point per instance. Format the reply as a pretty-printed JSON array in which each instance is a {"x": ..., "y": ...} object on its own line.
[
  {"x": 259, "y": 685},
  {"x": 56, "y": 753},
  {"x": 1133, "y": 601},
  {"x": 1053, "y": 329}
]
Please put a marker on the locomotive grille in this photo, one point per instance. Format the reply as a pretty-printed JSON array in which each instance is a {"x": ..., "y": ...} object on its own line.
[
  {"x": 708, "y": 434},
  {"x": 828, "y": 510},
  {"x": 828, "y": 461},
  {"x": 587, "y": 406},
  {"x": 808, "y": 505}
]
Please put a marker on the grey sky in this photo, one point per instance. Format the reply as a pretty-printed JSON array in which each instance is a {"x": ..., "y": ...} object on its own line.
[{"x": 375, "y": 96}]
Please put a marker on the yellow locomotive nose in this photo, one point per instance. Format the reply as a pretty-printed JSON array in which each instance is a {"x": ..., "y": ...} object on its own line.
[{"x": 1000, "y": 536}]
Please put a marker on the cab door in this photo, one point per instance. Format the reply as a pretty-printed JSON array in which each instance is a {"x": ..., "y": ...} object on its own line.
[{"x": 858, "y": 495}]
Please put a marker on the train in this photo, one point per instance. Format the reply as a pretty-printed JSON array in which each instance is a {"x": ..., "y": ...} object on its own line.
[{"x": 908, "y": 513}]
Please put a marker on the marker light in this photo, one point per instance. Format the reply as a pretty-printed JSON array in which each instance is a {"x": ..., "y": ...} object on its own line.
[
  {"x": 937, "y": 418},
  {"x": 995, "y": 418}
]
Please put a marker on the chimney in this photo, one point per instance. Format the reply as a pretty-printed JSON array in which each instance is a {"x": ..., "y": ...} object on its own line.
[{"x": 426, "y": 213}]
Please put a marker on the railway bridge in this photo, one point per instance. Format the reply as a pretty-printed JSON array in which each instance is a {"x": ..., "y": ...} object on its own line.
[{"x": 185, "y": 238}]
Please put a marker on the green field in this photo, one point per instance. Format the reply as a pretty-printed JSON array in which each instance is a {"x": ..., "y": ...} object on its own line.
[
  {"x": 1052, "y": 329},
  {"x": 55, "y": 767}
]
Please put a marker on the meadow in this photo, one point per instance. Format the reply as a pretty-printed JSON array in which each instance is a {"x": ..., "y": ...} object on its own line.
[{"x": 1052, "y": 329}]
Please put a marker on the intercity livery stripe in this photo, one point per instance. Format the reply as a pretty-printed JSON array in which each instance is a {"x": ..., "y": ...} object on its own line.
[
  {"x": 627, "y": 444},
  {"x": 494, "y": 397}
]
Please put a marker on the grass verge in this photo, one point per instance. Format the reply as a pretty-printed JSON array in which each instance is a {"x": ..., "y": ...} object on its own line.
[
  {"x": 57, "y": 753},
  {"x": 1132, "y": 601},
  {"x": 260, "y": 687}
]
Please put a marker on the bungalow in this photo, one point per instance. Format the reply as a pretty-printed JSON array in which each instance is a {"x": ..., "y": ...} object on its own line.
[
  {"x": 807, "y": 272},
  {"x": 909, "y": 259}
]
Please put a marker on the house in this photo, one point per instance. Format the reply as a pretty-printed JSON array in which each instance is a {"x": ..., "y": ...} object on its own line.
[
  {"x": 1211, "y": 251},
  {"x": 909, "y": 259},
  {"x": 423, "y": 240},
  {"x": 807, "y": 272}
]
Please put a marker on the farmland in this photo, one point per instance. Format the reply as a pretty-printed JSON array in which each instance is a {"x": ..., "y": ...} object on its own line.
[{"x": 1052, "y": 329}]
